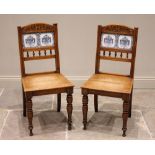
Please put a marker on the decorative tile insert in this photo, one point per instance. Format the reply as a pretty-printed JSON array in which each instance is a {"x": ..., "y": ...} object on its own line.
[
  {"x": 125, "y": 42},
  {"x": 38, "y": 40},
  {"x": 116, "y": 41},
  {"x": 108, "y": 40}
]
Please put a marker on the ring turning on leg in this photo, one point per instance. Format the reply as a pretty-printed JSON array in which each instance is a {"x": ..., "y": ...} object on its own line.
[
  {"x": 125, "y": 116},
  {"x": 30, "y": 115},
  {"x": 69, "y": 110},
  {"x": 85, "y": 110}
]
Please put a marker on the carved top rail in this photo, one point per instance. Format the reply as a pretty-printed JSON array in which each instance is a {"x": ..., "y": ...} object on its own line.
[
  {"x": 38, "y": 27},
  {"x": 117, "y": 29}
]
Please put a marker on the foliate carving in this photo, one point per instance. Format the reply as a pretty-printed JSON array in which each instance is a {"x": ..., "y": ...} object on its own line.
[
  {"x": 37, "y": 27},
  {"x": 118, "y": 29}
]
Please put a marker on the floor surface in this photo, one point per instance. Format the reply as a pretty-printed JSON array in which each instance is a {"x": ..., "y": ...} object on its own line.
[{"x": 49, "y": 124}]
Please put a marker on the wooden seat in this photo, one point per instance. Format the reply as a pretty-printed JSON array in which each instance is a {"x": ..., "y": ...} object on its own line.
[
  {"x": 46, "y": 81},
  {"x": 39, "y": 41},
  {"x": 114, "y": 43},
  {"x": 109, "y": 83}
]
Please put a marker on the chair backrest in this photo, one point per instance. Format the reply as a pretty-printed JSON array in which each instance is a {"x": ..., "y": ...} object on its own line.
[
  {"x": 36, "y": 42},
  {"x": 116, "y": 43}
]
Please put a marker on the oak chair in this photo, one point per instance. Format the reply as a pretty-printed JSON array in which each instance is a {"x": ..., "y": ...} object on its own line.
[
  {"x": 39, "y": 41},
  {"x": 114, "y": 43}
]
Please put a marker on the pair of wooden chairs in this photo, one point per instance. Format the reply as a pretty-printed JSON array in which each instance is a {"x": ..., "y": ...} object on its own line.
[{"x": 40, "y": 41}]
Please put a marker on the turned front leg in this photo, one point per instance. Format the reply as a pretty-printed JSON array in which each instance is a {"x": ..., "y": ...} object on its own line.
[
  {"x": 69, "y": 110},
  {"x": 85, "y": 110},
  {"x": 125, "y": 115},
  {"x": 30, "y": 115}
]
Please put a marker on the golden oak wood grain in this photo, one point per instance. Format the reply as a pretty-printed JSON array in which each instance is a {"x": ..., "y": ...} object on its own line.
[
  {"x": 45, "y": 81},
  {"x": 109, "y": 82}
]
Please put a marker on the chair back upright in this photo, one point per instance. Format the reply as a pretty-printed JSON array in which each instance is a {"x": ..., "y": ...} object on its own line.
[
  {"x": 116, "y": 43},
  {"x": 38, "y": 41}
]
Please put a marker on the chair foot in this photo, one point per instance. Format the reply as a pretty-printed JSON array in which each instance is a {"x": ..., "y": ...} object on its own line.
[
  {"x": 31, "y": 133},
  {"x": 69, "y": 127},
  {"x": 85, "y": 127},
  {"x": 124, "y": 133}
]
